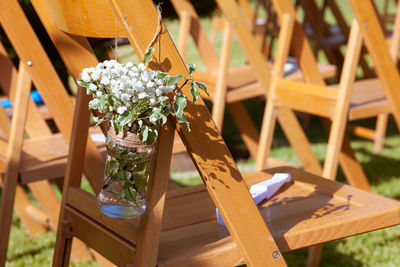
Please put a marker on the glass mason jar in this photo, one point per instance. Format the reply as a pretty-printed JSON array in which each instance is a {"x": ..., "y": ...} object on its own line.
[{"x": 126, "y": 171}]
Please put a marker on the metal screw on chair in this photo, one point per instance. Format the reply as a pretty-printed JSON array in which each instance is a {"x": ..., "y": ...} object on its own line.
[
  {"x": 29, "y": 63},
  {"x": 233, "y": 23},
  {"x": 276, "y": 255},
  {"x": 365, "y": 25}
]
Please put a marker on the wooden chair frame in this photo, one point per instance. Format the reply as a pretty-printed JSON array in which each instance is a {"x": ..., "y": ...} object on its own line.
[
  {"x": 233, "y": 86},
  {"x": 137, "y": 241},
  {"x": 22, "y": 166},
  {"x": 282, "y": 90},
  {"x": 351, "y": 168}
]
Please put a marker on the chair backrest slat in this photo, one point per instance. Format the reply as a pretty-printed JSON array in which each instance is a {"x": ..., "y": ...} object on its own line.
[{"x": 374, "y": 40}]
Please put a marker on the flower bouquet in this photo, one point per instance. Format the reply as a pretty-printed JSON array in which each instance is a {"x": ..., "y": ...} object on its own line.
[{"x": 134, "y": 101}]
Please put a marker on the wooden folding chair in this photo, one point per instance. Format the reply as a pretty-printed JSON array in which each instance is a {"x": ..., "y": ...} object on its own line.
[
  {"x": 351, "y": 168},
  {"x": 384, "y": 59},
  {"x": 377, "y": 135},
  {"x": 233, "y": 85},
  {"x": 348, "y": 100},
  {"x": 185, "y": 231},
  {"x": 32, "y": 161}
]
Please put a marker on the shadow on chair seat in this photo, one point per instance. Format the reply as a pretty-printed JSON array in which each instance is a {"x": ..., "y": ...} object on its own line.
[{"x": 305, "y": 212}]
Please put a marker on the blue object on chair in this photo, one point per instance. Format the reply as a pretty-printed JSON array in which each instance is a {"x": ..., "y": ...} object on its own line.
[{"x": 35, "y": 95}]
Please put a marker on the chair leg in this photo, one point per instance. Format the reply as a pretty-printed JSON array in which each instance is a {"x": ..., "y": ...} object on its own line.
[
  {"x": 380, "y": 132},
  {"x": 314, "y": 256},
  {"x": 6, "y": 212},
  {"x": 248, "y": 131},
  {"x": 62, "y": 248},
  {"x": 219, "y": 98}
]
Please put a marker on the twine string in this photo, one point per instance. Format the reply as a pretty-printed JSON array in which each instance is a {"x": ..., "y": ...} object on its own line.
[
  {"x": 156, "y": 35},
  {"x": 115, "y": 50},
  {"x": 158, "y": 8}
]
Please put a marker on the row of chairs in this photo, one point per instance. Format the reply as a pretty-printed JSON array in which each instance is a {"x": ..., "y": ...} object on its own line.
[{"x": 181, "y": 222}]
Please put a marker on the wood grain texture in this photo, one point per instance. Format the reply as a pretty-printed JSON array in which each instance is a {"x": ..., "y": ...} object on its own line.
[
  {"x": 13, "y": 157},
  {"x": 149, "y": 231},
  {"x": 380, "y": 54},
  {"x": 69, "y": 46},
  {"x": 216, "y": 166},
  {"x": 270, "y": 113}
]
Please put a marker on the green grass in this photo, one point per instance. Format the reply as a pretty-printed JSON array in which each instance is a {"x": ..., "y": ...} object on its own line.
[{"x": 379, "y": 248}]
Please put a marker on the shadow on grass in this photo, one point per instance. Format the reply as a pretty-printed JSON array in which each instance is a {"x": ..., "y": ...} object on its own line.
[
  {"x": 31, "y": 252},
  {"x": 379, "y": 167}
]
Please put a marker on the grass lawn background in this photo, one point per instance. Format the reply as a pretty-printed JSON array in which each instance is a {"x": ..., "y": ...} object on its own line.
[{"x": 379, "y": 248}]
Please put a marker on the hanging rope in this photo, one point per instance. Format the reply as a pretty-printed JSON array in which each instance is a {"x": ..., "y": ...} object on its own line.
[{"x": 158, "y": 8}]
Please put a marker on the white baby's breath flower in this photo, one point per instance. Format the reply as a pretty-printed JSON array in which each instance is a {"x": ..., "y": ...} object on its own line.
[
  {"x": 159, "y": 82},
  {"x": 105, "y": 80},
  {"x": 144, "y": 77},
  {"x": 125, "y": 97},
  {"x": 152, "y": 101},
  {"x": 121, "y": 110},
  {"x": 85, "y": 75},
  {"x": 150, "y": 84},
  {"x": 142, "y": 67},
  {"x": 92, "y": 87},
  {"x": 139, "y": 85},
  {"x": 96, "y": 74},
  {"x": 99, "y": 93},
  {"x": 142, "y": 95},
  {"x": 140, "y": 122}
]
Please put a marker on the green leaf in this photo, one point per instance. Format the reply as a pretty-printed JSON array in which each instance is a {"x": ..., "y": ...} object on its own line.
[
  {"x": 203, "y": 87},
  {"x": 148, "y": 55},
  {"x": 192, "y": 68},
  {"x": 152, "y": 136},
  {"x": 145, "y": 133},
  {"x": 127, "y": 117},
  {"x": 110, "y": 167},
  {"x": 160, "y": 75},
  {"x": 179, "y": 106},
  {"x": 127, "y": 175},
  {"x": 94, "y": 104},
  {"x": 117, "y": 127},
  {"x": 174, "y": 80},
  {"x": 129, "y": 193},
  {"x": 82, "y": 83},
  {"x": 163, "y": 118},
  {"x": 140, "y": 183},
  {"x": 194, "y": 90},
  {"x": 140, "y": 166}
]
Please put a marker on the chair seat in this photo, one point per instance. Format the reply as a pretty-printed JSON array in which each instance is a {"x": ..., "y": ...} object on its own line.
[
  {"x": 45, "y": 157},
  {"x": 242, "y": 83},
  {"x": 307, "y": 211},
  {"x": 367, "y": 99}
]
